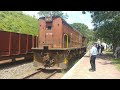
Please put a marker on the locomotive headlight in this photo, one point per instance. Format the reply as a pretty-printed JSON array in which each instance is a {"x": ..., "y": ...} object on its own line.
[{"x": 46, "y": 33}]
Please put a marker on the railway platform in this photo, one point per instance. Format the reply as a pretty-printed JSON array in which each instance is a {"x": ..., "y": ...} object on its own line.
[{"x": 104, "y": 69}]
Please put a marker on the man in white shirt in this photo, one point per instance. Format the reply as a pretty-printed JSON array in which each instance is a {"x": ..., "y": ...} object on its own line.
[{"x": 93, "y": 54}]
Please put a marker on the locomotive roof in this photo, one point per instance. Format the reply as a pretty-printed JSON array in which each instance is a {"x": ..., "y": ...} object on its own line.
[{"x": 54, "y": 17}]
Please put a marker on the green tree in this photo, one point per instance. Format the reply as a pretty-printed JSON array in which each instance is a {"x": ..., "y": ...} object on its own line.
[
  {"x": 107, "y": 26},
  {"x": 53, "y": 13},
  {"x": 16, "y": 21}
]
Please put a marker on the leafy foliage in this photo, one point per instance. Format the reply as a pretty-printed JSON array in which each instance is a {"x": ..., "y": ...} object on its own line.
[
  {"x": 107, "y": 26},
  {"x": 16, "y": 21},
  {"x": 53, "y": 13}
]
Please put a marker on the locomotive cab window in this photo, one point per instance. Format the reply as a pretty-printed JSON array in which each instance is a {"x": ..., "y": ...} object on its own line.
[{"x": 48, "y": 25}]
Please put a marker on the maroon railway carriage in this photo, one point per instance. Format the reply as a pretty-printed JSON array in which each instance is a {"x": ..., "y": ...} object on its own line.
[
  {"x": 14, "y": 45},
  {"x": 58, "y": 42}
]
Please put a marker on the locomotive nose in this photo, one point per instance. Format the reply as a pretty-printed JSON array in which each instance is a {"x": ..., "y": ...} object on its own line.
[{"x": 49, "y": 39}]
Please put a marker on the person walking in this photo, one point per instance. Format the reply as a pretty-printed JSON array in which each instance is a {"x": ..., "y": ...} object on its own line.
[
  {"x": 102, "y": 49},
  {"x": 93, "y": 54}
]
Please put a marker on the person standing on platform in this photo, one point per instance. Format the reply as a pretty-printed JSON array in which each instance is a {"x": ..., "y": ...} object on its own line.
[{"x": 93, "y": 54}]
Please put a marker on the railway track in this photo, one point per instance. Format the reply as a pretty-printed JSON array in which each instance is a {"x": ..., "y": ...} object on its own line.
[
  {"x": 51, "y": 75},
  {"x": 38, "y": 72},
  {"x": 32, "y": 74},
  {"x": 44, "y": 71}
]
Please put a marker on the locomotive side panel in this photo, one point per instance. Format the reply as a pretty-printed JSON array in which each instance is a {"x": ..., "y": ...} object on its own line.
[
  {"x": 57, "y": 34},
  {"x": 41, "y": 33},
  {"x": 84, "y": 44},
  {"x": 80, "y": 41},
  {"x": 66, "y": 37},
  {"x": 74, "y": 38}
]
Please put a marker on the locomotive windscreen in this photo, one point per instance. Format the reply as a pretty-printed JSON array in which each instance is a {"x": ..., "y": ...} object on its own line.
[{"x": 48, "y": 19}]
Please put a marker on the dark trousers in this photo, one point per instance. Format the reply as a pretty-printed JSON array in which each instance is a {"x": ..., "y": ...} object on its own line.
[{"x": 92, "y": 62}]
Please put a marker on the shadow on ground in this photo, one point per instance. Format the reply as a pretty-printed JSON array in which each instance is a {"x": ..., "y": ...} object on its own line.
[
  {"x": 14, "y": 64},
  {"x": 106, "y": 58}
]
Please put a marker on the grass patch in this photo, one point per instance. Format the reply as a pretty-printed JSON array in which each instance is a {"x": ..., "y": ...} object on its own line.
[{"x": 116, "y": 62}]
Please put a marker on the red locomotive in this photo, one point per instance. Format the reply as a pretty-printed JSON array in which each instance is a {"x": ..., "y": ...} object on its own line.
[{"x": 58, "y": 42}]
